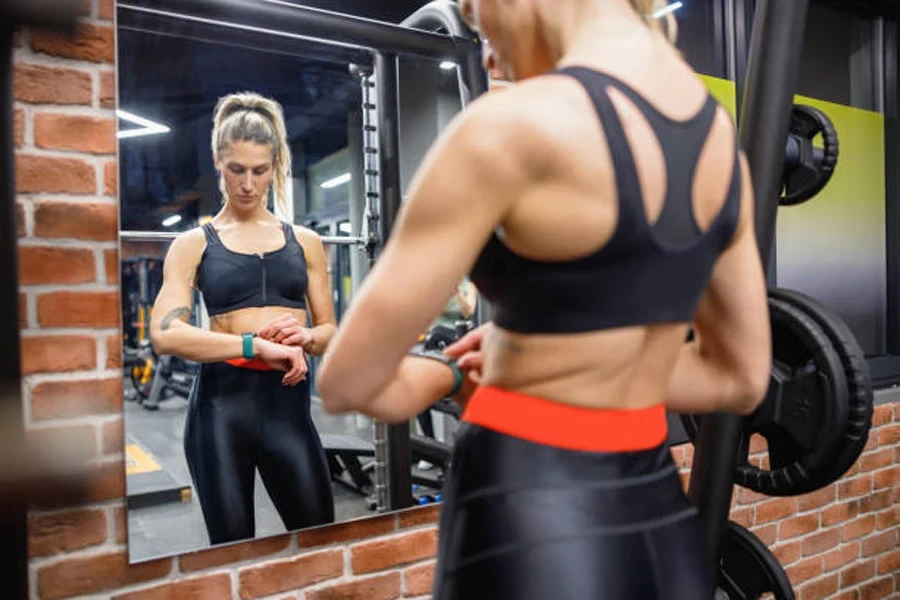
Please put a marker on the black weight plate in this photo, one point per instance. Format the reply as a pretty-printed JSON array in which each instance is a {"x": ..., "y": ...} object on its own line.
[
  {"x": 805, "y": 409},
  {"x": 811, "y": 173},
  {"x": 859, "y": 382},
  {"x": 749, "y": 570}
]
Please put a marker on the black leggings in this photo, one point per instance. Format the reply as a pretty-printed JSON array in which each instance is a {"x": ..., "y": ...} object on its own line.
[
  {"x": 524, "y": 521},
  {"x": 240, "y": 420}
]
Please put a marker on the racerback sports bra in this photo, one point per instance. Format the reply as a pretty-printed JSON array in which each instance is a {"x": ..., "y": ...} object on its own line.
[{"x": 646, "y": 273}]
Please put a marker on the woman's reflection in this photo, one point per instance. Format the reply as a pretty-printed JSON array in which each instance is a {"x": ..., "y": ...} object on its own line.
[{"x": 250, "y": 405}]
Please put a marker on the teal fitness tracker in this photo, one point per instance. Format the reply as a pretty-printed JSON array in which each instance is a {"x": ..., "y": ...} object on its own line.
[
  {"x": 248, "y": 345},
  {"x": 457, "y": 374}
]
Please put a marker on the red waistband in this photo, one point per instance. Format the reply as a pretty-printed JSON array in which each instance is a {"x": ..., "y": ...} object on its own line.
[
  {"x": 249, "y": 363},
  {"x": 565, "y": 426}
]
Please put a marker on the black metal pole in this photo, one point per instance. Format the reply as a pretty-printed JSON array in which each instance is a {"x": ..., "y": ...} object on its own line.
[
  {"x": 312, "y": 23},
  {"x": 772, "y": 68},
  {"x": 387, "y": 101},
  {"x": 14, "y": 570}
]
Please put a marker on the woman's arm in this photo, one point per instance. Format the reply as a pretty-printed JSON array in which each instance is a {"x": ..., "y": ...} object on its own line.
[
  {"x": 318, "y": 295},
  {"x": 437, "y": 237}
]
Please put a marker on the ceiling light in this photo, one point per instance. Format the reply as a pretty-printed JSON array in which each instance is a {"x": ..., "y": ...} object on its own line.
[
  {"x": 345, "y": 227},
  {"x": 667, "y": 9},
  {"x": 147, "y": 127},
  {"x": 448, "y": 65},
  {"x": 335, "y": 181},
  {"x": 169, "y": 221}
]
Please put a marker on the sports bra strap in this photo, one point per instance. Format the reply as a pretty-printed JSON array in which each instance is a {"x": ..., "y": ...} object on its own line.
[{"x": 212, "y": 237}]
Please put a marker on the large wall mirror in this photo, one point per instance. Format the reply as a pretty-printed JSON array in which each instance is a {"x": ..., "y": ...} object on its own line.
[{"x": 222, "y": 450}]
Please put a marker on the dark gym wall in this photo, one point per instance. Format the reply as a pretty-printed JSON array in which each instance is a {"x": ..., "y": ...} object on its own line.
[{"x": 834, "y": 246}]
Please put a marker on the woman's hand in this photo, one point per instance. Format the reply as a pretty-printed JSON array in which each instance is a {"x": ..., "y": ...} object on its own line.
[
  {"x": 286, "y": 330},
  {"x": 283, "y": 358},
  {"x": 470, "y": 359}
]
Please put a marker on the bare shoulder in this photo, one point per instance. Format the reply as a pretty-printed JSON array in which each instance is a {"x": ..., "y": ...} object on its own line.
[
  {"x": 188, "y": 245},
  {"x": 307, "y": 238}
]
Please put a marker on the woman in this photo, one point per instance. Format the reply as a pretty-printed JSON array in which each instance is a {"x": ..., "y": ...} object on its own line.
[
  {"x": 461, "y": 306},
  {"x": 258, "y": 275},
  {"x": 601, "y": 205}
]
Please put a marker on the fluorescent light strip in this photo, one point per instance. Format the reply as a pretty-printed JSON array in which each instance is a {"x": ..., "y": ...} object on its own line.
[
  {"x": 335, "y": 181},
  {"x": 668, "y": 9},
  {"x": 147, "y": 127},
  {"x": 448, "y": 65},
  {"x": 169, "y": 221}
]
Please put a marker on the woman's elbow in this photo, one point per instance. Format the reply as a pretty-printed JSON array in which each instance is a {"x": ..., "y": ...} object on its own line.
[
  {"x": 335, "y": 395},
  {"x": 752, "y": 386},
  {"x": 159, "y": 341}
]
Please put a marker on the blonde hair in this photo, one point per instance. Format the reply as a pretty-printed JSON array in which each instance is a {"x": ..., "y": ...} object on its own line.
[
  {"x": 250, "y": 117},
  {"x": 666, "y": 25}
]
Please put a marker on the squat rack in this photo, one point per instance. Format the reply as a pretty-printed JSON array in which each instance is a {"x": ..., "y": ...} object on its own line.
[{"x": 773, "y": 65}]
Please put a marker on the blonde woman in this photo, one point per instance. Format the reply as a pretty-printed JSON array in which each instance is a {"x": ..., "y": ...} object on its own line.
[{"x": 258, "y": 275}]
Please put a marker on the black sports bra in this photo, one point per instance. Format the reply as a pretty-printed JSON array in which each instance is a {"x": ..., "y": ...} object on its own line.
[
  {"x": 231, "y": 280},
  {"x": 645, "y": 273}
]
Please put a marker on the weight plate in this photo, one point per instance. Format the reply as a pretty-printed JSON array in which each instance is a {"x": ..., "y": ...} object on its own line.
[
  {"x": 859, "y": 381},
  {"x": 811, "y": 169},
  {"x": 804, "y": 413},
  {"x": 749, "y": 570}
]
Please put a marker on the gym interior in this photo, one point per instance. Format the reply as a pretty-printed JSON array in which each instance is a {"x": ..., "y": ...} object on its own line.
[{"x": 833, "y": 264}]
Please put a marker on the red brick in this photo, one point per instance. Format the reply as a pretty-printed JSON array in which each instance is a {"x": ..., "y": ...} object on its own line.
[
  {"x": 81, "y": 133},
  {"x": 107, "y": 481},
  {"x": 787, "y": 553},
  {"x": 767, "y": 535},
  {"x": 858, "y": 528},
  {"x": 841, "y": 556},
  {"x": 19, "y": 127},
  {"x": 748, "y": 496},
  {"x": 889, "y": 435},
  {"x": 804, "y": 570},
  {"x": 76, "y": 442},
  {"x": 41, "y": 265},
  {"x": 875, "y": 502},
  {"x": 106, "y": 10},
  {"x": 274, "y": 577},
  {"x": 343, "y": 532},
  {"x": 54, "y": 533},
  {"x": 110, "y": 175},
  {"x": 108, "y": 89},
  {"x": 111, "y": 264},
  {"x": 817, "y": 499},
  {"x": 857, "y": 486},
  {"x": 886, "y": 478},
  {"x": 820, "y": 542},
  {"x": 78, "y": 309},
  {"x": 65, "y": 399},
  {"x": 418, "y": 580},
  {"x": 840, "y": 512},
  {"x": 93, "y": 43},
  {"x": 114, "y": 351},
  {"x": 688, "y": 455},
  {"x": 888, "y": 518},
  {"x": 889, "y": 563},
  {"x": 54, "y": 353},
  {"x": 21, "y": 230},
  {"x": 883, "y": 413},
  {"x": 96, "y": 221},
  {"x": 876, "y": 460},
  {"x": 92, "y": 574},
  {"x": 198, "y": 588},
  {"x": 882, "y": 542},
  {"x": 819, "y": 588},
  {"x": 424, "y": 515},
  {"x": 120, "y": 517},
  {"x": 857, "y": 573},
  {"x": 742, "y": 516},
  {"x": 848, "y": 595},
  {"x": 380, "y": 587},
  {"x": 799, "y": 525},
  {"x": 54, "y": 175},
  {"x": 216, "y": 557},
  {"x": 382, "y": 554},
  {"x": 758, "y": 444},
  {"x": 112, "y": 437},
  {"x": 775, "y": 509},
  {"x": 880, "y": 588},
  {"x": 49, "y": 85}
]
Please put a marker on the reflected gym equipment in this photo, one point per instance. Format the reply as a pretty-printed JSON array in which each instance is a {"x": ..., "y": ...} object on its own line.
[{"x": 808, "y": 169}]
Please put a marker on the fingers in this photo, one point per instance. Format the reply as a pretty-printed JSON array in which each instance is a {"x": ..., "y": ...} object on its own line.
[
  {"x": 297, "y": 371},
  {"x": 296, "y": 339},
  {"x": 471, "y": 360}
]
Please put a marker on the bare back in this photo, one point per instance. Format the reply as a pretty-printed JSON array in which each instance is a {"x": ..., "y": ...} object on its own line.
[{"x": 573, "y": 213}]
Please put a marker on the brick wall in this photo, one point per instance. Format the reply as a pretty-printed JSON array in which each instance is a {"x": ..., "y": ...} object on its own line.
[{"x": 841, "y": 542}]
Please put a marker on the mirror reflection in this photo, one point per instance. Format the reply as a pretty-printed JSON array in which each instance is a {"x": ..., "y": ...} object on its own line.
[{"x": 241, "y": 209}]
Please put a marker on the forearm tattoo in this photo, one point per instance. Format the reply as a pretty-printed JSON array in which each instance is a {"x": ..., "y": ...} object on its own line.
[
  {"x": 222, "y": 322},
  {"x": 182, "y": 312}
]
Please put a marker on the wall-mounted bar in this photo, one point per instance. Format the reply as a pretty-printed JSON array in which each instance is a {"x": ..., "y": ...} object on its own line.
[{"x": 168, "y": 236}]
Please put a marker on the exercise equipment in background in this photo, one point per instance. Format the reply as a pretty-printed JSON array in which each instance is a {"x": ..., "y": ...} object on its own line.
[
  {"x": 808, "y": 169},
  {"x": 749, "y": 570}
]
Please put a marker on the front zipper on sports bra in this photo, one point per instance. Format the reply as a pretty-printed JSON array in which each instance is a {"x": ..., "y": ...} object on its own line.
[{"x": 262, "y": 259}]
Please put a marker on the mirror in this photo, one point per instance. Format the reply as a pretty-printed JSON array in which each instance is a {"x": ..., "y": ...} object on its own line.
[{"x": 220, "y": 448}]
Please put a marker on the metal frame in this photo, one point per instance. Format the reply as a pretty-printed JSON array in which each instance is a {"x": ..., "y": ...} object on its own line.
[
  {"x": 168, "y": 236},
  {"x": 773, "y": 64},
  {"x": 892, "y": 184}
]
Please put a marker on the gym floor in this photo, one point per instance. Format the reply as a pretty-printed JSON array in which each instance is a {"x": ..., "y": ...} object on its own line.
[{"x": 177, "y": 527}]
